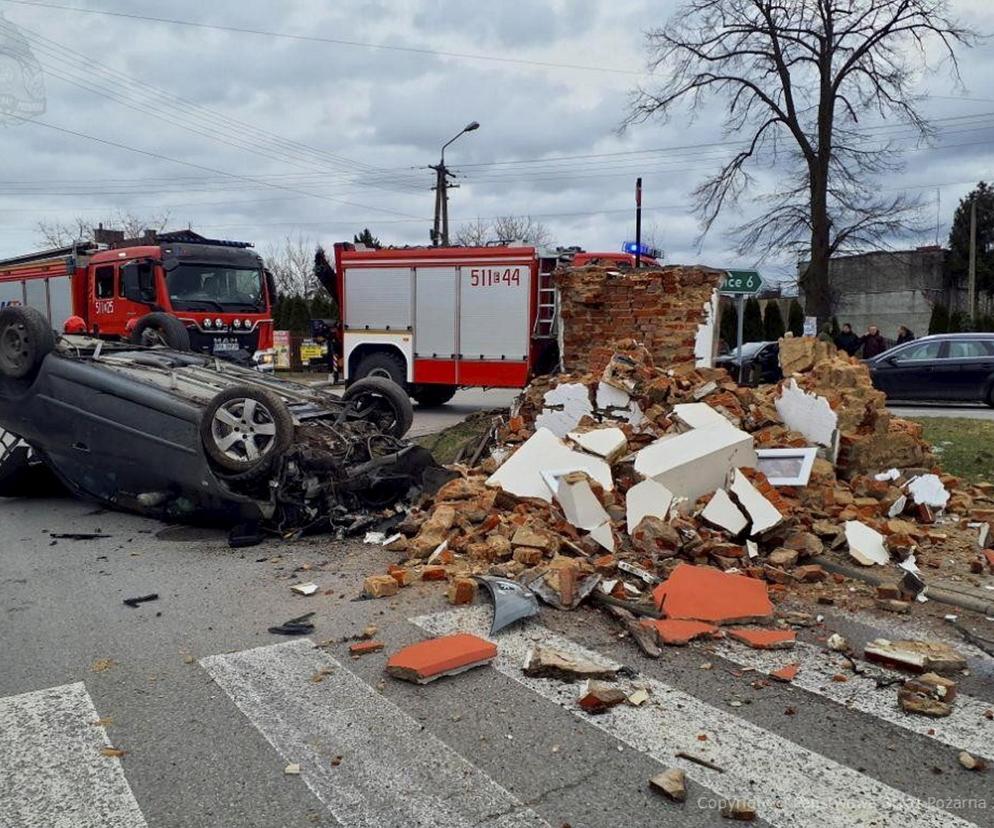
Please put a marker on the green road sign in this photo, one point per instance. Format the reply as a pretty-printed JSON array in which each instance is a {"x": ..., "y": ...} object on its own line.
[{"x": 742, "y": 281}]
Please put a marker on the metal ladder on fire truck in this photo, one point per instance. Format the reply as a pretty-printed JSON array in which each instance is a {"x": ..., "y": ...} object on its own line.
[{"x": 547, "y": 314}]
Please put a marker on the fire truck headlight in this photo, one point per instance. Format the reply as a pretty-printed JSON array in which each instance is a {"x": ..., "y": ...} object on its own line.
[
  {"x": 237, "y": 323},
  {"x": 207, "y": 323},
  {"x": 219, "y": 322}
]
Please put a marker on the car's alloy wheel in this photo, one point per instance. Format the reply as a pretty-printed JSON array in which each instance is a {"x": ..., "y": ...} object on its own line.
[
  {"x": 244, "y": 430},
  {"x": 15, "y": 348}
]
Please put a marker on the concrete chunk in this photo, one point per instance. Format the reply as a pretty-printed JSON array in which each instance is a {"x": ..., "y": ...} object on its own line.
[
  {"x": 807, "y": 414},
  {"x": 579, "y": 503},
  {"x": 928, "y": 489},
  {"x": 917, "y": 656},
  {"x": 763, "y": 515},
  {"x": 697, "y": 462},
  {"x": 566, "y": 405},
  {"x": 609, "y": 443},
  {"x": 722, "y": 512},
  {"x": 866, "y": 545},
  {"x": 521, "y": 473},
  {"x": 545, "y": 662},
  {"x": 672, "y": 783},
  {"x": 645, "y": 499},
  {"x": 700, "y": 415}
]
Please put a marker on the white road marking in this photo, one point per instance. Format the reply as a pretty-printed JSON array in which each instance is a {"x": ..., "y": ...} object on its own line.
[
  {"x": 51, "y": 770},
  {"x": 965, "y": 729},
  {"x": 793, "y": 787},
  {"x": 392, "y": 771}
]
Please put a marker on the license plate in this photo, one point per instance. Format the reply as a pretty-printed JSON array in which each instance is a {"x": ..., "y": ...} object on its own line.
[{"x": 226, "y": 344}]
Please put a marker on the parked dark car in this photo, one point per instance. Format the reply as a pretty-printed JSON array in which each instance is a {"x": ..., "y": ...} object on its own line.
[
  {"x": 188, "y": 436},
  {"x": 950, "y": 367},
  {"x": 760, "y": 360}
]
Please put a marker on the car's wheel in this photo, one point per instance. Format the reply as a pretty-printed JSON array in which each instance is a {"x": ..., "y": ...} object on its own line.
[
  {"x": 431, "y": 396},
  {"x": 161, "y": 329},
  {"x": 245, "y": 429},
  {"x": 26, "y": 339},
  {"x": 382, "y": 402},
  {"x": 384, "y": 365}
]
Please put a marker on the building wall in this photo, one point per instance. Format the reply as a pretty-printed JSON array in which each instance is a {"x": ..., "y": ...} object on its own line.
[{"x": 887, "y": 289}]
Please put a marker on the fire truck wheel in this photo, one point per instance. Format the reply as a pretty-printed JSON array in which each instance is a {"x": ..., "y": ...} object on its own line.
[
  {"x": 25, "y": 339},
  {"x": 382, "y": 364},
  {"x": 432, "y": 396},
  {"x": 161, "y": 329},
  {"x": 245, "y": 429},
  {"x": 383, "y": 402}
]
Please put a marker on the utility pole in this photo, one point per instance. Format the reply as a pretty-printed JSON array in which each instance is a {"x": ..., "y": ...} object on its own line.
[
  {"x": 638, "y": 222},
  {"x": 440, "y": 229},
  {"x": 973, "y": 260}
]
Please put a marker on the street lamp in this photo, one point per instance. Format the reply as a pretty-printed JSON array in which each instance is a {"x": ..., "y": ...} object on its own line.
[{"x": 440, "y": 233}]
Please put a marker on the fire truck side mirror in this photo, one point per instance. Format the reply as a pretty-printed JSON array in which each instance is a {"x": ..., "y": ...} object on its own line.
[{"x": 271, "y": 288}]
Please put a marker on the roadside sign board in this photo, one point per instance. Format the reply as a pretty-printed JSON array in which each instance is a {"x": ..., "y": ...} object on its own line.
[{"x": 742, "y": 282}]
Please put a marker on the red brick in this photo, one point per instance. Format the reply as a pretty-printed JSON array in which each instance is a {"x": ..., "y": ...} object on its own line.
[{"x": 437, "y": 657}]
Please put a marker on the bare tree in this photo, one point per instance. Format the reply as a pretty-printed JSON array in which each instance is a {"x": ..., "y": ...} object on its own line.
[
  {"x": 504, "y": 229},
  {"x": 64, "y": 233},
  {"x": 796, "y": 76},
  {"x": 291, "y": 261}
]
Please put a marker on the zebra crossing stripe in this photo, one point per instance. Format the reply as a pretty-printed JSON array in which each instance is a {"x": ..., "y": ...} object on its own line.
[
  {"x": 392, "y": 771},
  {"x": 803, "y": 788},
  {"x": 965, "y": 729},
  {"x": 52, "y": 772}
]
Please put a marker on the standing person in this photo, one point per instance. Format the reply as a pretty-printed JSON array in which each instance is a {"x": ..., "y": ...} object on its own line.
[
  {"x": 872, "y": 342},
  {"x": 847, "y": 341},
  {"x": 904, "y": 334}
]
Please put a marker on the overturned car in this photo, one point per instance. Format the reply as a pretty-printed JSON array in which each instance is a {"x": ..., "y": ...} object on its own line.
[{"x": 190, "y": 437}]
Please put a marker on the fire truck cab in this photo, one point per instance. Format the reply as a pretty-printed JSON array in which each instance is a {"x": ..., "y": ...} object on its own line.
[
  {"x": 435, "y": 319},
  {"x": 218, "y": 290}
]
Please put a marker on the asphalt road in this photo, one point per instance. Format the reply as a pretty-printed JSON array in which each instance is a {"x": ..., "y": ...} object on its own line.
[
  {"x": 210, "y": 708},
  {"x": 462, "y": 405}
]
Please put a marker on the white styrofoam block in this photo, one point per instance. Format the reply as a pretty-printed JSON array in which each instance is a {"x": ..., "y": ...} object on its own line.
[
  {"x": 521, "y": 473},
  {"x": 647, "y": 498},
  {"x": 700, "y": 415},
  {"x": 604, "y": 442},
  {"x": 866, "y": 545},
  {"x": 604, "y": 536},
  {"x": 697, "y": 462},
  {"x": 567, "y": 405},
  {"x": 928, "y": 489},
  {"x": 610, "y": 397},
  {"x": 580, "y": 505},
  {"x": 722, "y": 512},
  {"x": 764, "y": 515},
  {"x": 807, "y": 414}
]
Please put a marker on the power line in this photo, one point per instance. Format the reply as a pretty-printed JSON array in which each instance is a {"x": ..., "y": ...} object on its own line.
[
  {"x": 236, "y": 176},
  {"x": 333, "y": 41}
]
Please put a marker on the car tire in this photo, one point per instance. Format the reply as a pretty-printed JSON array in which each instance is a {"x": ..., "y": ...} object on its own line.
[
  {"x": 383, "y": 402},
  {"x": 161, "y": 329},
  {"x": 432, "y": 396},
  {"x": 245, "y": 429},
  {"x": 384, "y": 365},
  {"x": 26, "y": 339}
]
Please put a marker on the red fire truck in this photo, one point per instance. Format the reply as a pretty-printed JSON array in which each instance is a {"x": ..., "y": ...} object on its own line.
[
  {"x": 172, "y": 285},
  {"x": 435, "y": 319}
]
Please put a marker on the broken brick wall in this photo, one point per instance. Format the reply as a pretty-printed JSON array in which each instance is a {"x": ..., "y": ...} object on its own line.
[{"x": 661, "y": 309}]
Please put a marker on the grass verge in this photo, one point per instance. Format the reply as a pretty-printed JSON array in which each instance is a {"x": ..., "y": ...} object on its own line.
[{"x": 963, "y": 446}]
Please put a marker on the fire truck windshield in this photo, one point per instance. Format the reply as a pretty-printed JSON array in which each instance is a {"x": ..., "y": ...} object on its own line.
[{"x": 215, "y": 287}]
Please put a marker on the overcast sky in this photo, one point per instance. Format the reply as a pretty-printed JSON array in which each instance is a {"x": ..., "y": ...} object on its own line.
[{"x": 264, "y": 121}]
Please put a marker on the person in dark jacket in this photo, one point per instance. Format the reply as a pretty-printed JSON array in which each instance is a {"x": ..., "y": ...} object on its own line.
[
  {"x": 847, "y": 341},
  {"x": 904, "y": 334},
  {"x": 872, "y": 342}
]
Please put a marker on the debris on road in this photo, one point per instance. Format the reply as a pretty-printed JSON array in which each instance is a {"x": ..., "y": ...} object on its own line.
[
  {"x": 597, "y": 697},
  {"x": 739, "y": 809},
  {"x": 916, "y": 656},
  {"x": 971, "y": 762},
  {"x": 449, "y": 655},
  {"x": 672, "y": 783},
  {"x": 361, "y": 648},
  {"x": 545, "y": 662},
  {"x": 300, "y": 625},
  {"x": 141, "y": 599},
  {"x": 293, "y": 769},
  {"x": 512, "y": 601},
  {"x": 928, "y": 695},
  {"x": 305, "y": 589}
]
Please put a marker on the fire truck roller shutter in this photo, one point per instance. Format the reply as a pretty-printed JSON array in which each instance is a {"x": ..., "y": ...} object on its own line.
[
  {"x": 37, "y": 296},
  {"x": 379, "y": 298},
  {"x": 493, "y": 311},
  {"x": 435, "y": 313}
]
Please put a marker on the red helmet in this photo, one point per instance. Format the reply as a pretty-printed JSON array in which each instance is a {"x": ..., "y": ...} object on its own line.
[
  {"x": 129, "y": 326},
  {"x": 74, "y": 325}
]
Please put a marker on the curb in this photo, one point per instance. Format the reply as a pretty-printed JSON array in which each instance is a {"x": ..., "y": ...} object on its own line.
[{"x": 943, "y": 594}]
